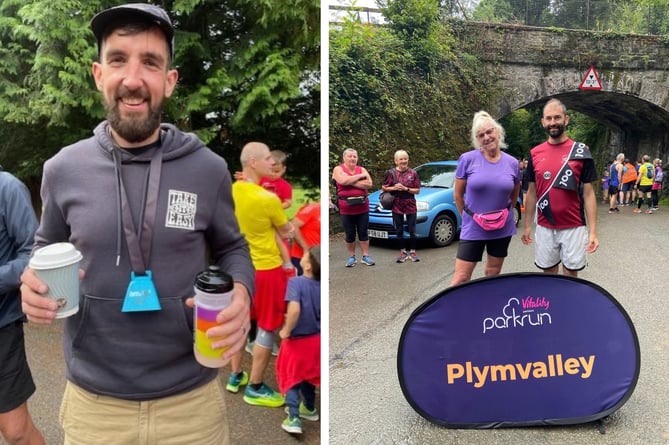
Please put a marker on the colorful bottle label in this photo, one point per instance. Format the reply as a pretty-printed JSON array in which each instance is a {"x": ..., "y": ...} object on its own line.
[{"x": 205, "y": 318}]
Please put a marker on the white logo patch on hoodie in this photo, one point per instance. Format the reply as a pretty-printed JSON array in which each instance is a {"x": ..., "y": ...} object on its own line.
[{"x": 181, "y": 210}]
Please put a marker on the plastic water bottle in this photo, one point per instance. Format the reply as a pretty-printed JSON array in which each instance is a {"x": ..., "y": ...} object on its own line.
[{"x": 213, "y": 293}]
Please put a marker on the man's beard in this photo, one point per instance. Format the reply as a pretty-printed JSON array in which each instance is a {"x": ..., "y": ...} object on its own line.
[
  {"x": 555, "y": 132},
  {"x": 133, "y": 129}
]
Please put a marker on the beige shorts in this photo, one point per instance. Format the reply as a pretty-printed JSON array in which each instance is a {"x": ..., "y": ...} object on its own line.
[
  {"x": 566, "y": 246},
  {"x": 195, "y": 417}
]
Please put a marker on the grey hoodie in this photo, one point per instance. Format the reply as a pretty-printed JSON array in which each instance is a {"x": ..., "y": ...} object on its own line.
[{"x": 140, "y": 355}]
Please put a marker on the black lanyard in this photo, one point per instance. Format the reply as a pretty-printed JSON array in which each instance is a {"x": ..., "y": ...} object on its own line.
[{"x": 139, "y": 243}]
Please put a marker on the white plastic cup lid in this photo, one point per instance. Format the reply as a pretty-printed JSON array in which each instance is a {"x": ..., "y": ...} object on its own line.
[{"x": 55, "y": 255}]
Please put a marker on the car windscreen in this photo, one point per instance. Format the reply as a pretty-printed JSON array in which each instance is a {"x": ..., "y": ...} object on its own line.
[{"x": 434, "y": 175}]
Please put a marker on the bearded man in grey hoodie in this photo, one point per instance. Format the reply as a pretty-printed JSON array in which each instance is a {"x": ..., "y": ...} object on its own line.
[{"x": 140, "y": 198}]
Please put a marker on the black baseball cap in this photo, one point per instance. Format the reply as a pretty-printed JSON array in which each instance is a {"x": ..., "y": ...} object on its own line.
[{"x": 131, "y": 13}]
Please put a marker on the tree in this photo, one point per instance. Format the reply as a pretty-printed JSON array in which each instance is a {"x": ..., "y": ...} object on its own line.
[
  {"x": 523, "y": 131},
  {"x": 495, "y": 11},
  {"x": 249, "y": 70},
  {"x": 639, "y": 17},
  {"x": 405, "y": 86}
]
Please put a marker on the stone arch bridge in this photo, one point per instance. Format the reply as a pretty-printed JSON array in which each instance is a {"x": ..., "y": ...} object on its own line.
[{"x": 533, "y": 64}]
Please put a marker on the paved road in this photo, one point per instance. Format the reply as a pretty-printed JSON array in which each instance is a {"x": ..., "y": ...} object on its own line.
[
  {"x": 249, "y": 424},
  {"x": 370, "y": 305}
]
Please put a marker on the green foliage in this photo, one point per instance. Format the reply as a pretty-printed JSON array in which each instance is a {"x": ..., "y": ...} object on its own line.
[
  {"x": 406, "y": 86},
  {"x": 248, "y": 70},
  {"x": 524, "y": 131},
  {"x": 526, "y": 12},
  {"x": 638, "y": 17},
  {"x": 594, "y": 134},
  {"x": 415, "y": 24},
  {"x": 302, "y": 196},
  {"x": 499, "y": 11}
]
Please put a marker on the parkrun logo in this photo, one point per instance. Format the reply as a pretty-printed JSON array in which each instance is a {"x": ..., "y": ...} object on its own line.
[
  {"x": 554, "y": 366},
  {"x": 528, "y": 311}
]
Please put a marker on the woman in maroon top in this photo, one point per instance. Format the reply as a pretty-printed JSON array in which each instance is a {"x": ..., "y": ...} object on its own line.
[
  {"x": 352, "y": 182},
  {"x": 404, "y": 184}
]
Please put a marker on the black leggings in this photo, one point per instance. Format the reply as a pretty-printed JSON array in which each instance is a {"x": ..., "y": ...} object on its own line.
[
  {"x": 355, "y": 225},
  {"x": 655, "y": 196},
  {"x": 398, "y": 223}
]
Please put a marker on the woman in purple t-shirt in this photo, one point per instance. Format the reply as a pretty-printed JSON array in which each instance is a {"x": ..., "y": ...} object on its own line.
[{"x": 487, "y": 180}]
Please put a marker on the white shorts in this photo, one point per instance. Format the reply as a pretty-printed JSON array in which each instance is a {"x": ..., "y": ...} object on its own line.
[{"x": 552, "y": 246}]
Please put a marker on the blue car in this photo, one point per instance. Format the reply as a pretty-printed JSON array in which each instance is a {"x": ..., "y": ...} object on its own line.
[{"x": 438, "y": 219}]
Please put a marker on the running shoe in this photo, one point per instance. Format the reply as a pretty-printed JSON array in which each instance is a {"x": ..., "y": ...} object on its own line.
[
  {"x": 637, "y": 210},
  {"x": 263, "y": 396},
  {"x": 351, "y": 261},
  {"x": 402, "y": 258},
  {"x": 305, "y": 413},
  {"x": 236, "y": 380},
  {"x": 366, "y": 259},
  {"x": 649, "y": 211},
  {"x": 292, "y": 425},
  {"x": 414, "y": 257}
]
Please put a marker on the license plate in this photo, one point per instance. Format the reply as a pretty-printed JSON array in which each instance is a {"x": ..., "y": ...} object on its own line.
[{"x": 377, "y": 234}]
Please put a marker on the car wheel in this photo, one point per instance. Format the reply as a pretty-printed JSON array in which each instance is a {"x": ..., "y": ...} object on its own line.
[
  {"x": 517, "y": 214},
  {"x": 443, "y": 231}
]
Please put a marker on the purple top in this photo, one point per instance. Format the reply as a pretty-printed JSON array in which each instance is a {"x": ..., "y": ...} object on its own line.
[{"x": 489, "y": 187}]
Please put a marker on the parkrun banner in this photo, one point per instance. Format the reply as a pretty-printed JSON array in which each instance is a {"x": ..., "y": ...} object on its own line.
[{"x": 518, "y": 350}]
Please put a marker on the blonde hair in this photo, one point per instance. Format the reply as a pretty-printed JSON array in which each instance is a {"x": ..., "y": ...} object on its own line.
[
  {"x": 480, "y": 119},
  {"x": 398, "y": 153}
]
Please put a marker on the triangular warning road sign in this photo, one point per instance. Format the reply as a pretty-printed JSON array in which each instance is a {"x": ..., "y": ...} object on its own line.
[{"x": 591, "y": 80}]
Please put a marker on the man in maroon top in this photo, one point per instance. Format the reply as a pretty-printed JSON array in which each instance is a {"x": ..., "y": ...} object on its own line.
[{"x": 560, "y": 174}]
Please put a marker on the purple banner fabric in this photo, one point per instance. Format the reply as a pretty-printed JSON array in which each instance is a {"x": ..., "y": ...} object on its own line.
[{"x": 517, "y": 350}]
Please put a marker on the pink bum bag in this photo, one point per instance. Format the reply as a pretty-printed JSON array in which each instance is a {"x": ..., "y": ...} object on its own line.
[{"x": 490, "y": 220}]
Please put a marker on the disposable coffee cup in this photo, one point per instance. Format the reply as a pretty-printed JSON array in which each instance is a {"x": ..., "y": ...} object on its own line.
[{"x": 58, "y": 266}]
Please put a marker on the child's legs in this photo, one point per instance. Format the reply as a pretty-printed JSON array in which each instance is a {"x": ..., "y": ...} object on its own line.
[
  {"x": 309, "y": 395},
  {"x": 292, "y": 400}
]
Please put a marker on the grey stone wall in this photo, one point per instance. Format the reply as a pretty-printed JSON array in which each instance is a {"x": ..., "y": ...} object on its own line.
[
  {"x": 555, "y": 47},
  {"x": 532, "y": 64}
]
